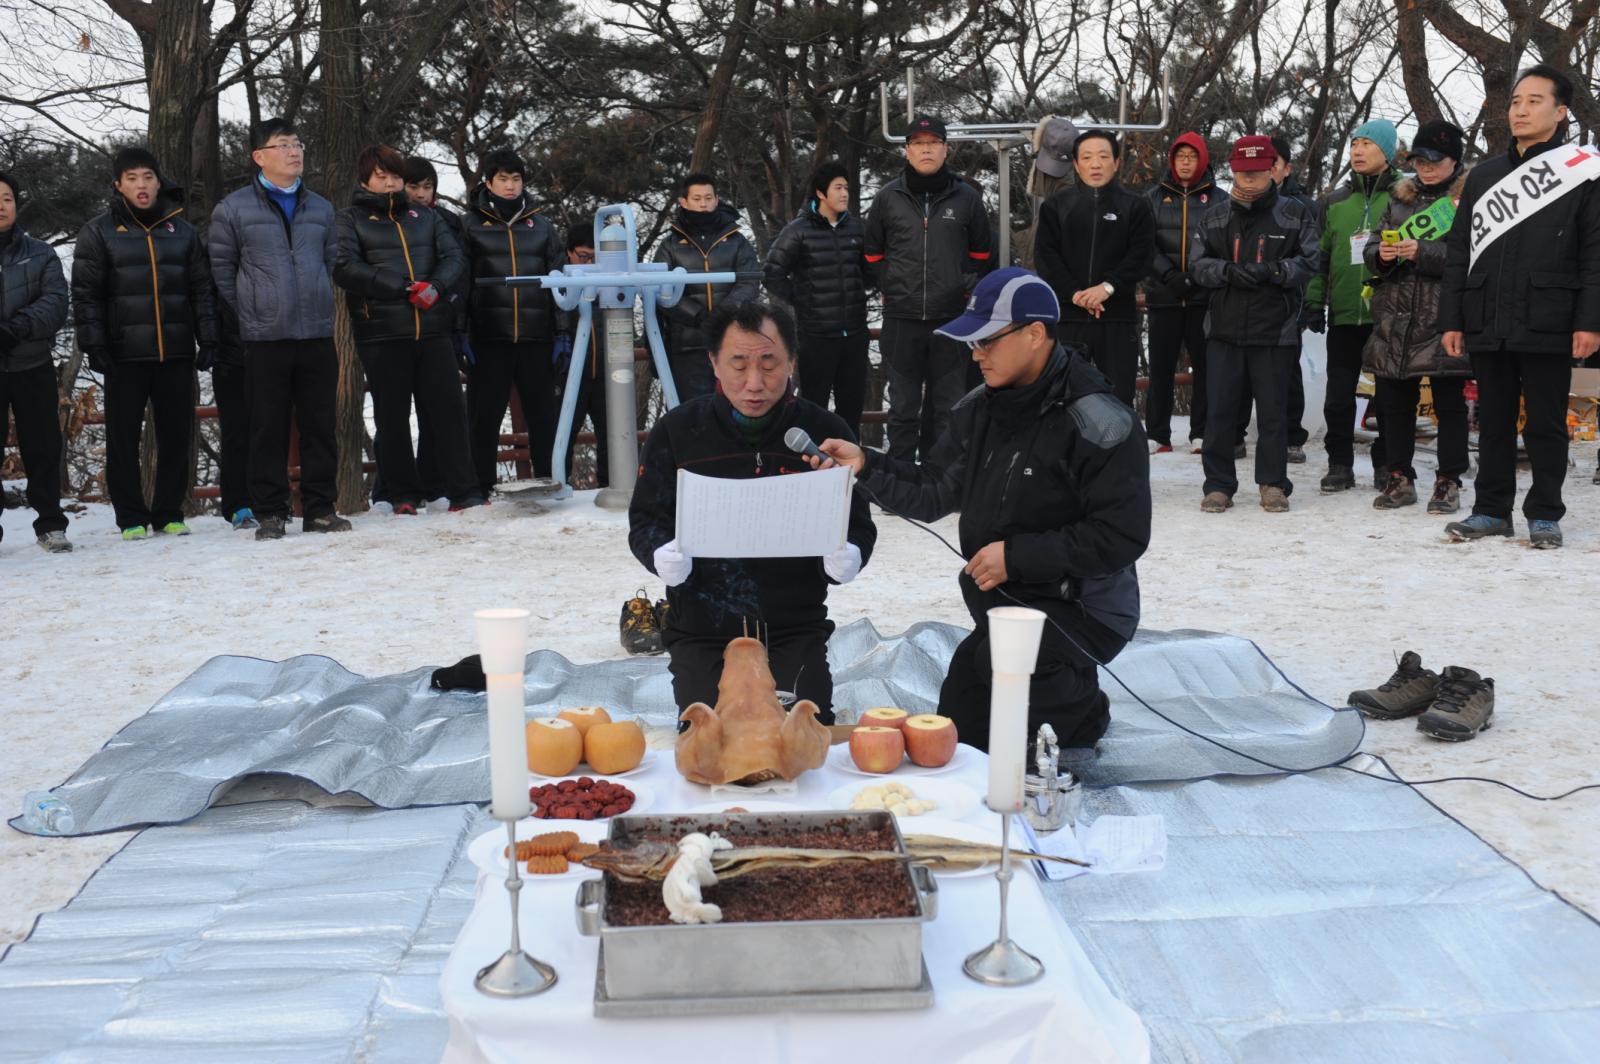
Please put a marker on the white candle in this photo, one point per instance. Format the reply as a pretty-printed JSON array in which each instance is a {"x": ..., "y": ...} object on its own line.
[
  {"x": 502, "y": 646},
  {"x": 1014, "y": 634}
]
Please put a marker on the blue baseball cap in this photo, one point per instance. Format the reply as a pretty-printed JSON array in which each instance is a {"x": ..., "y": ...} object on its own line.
[{"x": 1004, "y": 298}]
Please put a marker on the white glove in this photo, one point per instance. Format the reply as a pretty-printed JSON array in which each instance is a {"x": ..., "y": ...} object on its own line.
[
  {"x": 673, "y": 568},
  {"x": 843, "y": 564}
]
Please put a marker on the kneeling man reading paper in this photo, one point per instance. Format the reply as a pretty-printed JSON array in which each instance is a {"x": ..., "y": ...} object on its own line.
[{"x": 737, "y": 433}]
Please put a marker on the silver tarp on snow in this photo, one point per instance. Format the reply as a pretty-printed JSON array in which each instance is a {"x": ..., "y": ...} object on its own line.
[{"x": 396, "y": 742}]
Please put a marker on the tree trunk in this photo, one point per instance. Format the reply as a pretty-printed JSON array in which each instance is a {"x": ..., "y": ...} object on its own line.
[
  {"x": 1411, "y": 29},
  {"x": 705, "y": 139},
  {"x": 175, "y": 75}
]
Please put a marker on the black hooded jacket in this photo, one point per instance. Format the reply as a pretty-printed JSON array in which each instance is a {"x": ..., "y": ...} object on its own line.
[
  {"x": 1057, "y": 470},
  {"x": 1089, "y": 235},
  {"x": 816, "y": 266},
  {"x": 927, "y": 248},
  {"x": 141, "y": 283},
  {"x": 705, "y": 242},
  {"x": 516, "y": 241},
  {"x": 723, "y": 595},
  {"x": 386, "y": 244},
  {"x": 1177, "y": 208}
]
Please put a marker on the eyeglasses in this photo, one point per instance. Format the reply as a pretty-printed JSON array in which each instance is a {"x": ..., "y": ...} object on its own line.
[
  {"x": 296, "y": 146},
  {"x": 580, "y": 256},
  {"x": 989, "y": 341}
]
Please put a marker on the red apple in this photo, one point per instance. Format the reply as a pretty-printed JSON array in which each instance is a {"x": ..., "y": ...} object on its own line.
[
  {"x": 930, "y": 740},
  {"x": 885, "y": 717},
  {"x": 877, "y": 749}
]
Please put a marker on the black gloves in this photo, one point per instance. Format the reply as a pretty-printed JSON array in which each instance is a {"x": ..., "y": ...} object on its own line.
[
  {"x": 1317, "y": 319},
  {"x": 206, "y": 357},
  {"x": 1240, "y": 274},
  {"x": 99, "y": 359},
  {"x": 464, "y": 675}
]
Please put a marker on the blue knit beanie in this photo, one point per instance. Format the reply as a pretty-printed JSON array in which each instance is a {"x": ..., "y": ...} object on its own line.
[{"x": 1381, "y": 132}]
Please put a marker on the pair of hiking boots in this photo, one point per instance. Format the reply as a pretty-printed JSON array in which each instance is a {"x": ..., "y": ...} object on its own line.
[
  {"x": 1453, "y": 705},
  {"x": 642, "y": 624}
]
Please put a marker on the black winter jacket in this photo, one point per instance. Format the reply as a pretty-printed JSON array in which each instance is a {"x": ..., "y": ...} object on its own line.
[
  {"x": 1177, "y": 209},
  {"x": 141, "y": 291},
  {"x": 1274, "y": 232},
  {"x": 385, "y": 244},
  {"x": 1534, "y": 287},
  {"x": 1059, "y": 471},
  {"x": 705, "y": 242},
  {"x": 722, "y": 594},
  {"x": 33, "y": 300},
  {"x": 525, "y": 245},
  {"x": 927, "y": 251},
  {"x": 1088, "y": 235},
  {"x": 817, "y": 267}
]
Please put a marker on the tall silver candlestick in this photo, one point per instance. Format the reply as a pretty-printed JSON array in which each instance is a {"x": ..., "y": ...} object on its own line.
[
  {"x": 1003, "y": 962},
  {"x": 515, "y": 974}
]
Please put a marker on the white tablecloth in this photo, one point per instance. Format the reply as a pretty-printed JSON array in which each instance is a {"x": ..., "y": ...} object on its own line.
[{"x": 1070, "y": 1014}]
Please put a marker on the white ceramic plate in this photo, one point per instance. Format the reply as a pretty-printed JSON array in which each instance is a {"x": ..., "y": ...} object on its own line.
[
  {"x": 487, "y": 851},
  {"x": 956, "y": 800},
  {"x": 642, "y": 766},
  {"x": 957, "y": 829},
  {"x": 643, "y": 796},
  {"x": 839, "y": 758},
  {"x": 751, "y": 806}
]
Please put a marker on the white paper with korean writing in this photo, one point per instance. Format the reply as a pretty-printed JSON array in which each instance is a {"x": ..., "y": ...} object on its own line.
[
  {"x": 794, "y": 515},
  {"x": 1529, "y": 189}
]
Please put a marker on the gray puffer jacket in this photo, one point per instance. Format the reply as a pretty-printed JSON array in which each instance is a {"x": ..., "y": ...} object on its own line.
[
  {"x": 33, "y": 301},
  {"x": 275, "y": 274},
  {"x": 1406, "y": 340}
]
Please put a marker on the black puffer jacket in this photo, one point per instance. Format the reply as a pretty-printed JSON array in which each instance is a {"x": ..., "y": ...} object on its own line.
[
  {"x": 1405, "y": 340},
  {"x": 1058, "y": 471},
  {"x": 1530, "y": 290},
  {"x": 522, "y": 242},
  {"x": 141, "y": 283},
  {"x": 722, "y": 595},
  {"x": 1177, "y": 209},
  {"x": 816, "y": 266},
  {"x": 705, "y": 242},
  {"x": 385, "y": 244},
  {"x": 1088, "y": 235},
  {"x": 1275, "y": 232},
  {"x": 33, "y": 299},
  {"x": 928, "y": 249}
]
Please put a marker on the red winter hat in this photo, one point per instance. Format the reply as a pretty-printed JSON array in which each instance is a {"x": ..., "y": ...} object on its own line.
[{"x": 1252, "y": 153}]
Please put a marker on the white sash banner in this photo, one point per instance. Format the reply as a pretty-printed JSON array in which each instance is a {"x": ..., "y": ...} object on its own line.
[{"x": 1529, "y": 189}]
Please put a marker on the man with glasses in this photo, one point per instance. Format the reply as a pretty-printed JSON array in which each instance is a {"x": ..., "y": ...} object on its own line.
[
  {"x": 272, "y": 247},
  {"x": 1052, "y": 477}
]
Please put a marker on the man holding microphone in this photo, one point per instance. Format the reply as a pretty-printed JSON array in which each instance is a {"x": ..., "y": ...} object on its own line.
[{"x": 1051, "y": 474}]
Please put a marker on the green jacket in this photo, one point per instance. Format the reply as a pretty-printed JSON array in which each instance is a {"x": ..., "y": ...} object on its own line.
[{"x": 1354, "y": 207}]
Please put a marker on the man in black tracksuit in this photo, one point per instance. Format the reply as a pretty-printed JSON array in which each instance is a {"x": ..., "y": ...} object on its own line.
[
  {"x": 1525, "y": 309},
  {"x": 397, "y": 263},
  {"x": 928, "y": 240},
  {"x": 737, "y": 432},
  {"x": 142, "y": 299},
  {"x": 1177, "y": 305},
  {"x": 816, "y": 266},
  {"x": 1095, "y": 243},
  {"x": 1052, "y": 478},
  {"x": 704, "y": 238},
  {"x": 1256, "y": 250},
  {"x": 512, "y": 330}
]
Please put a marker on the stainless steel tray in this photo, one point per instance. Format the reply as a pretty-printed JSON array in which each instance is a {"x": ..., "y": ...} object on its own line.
[
  {"x": 918, "y": 997},
  {"x": 757, "y": 961}
]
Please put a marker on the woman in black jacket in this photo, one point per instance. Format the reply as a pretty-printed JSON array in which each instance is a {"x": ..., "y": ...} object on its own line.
[
  {"x": 397, "y": 263},
  {"x": 816, "y": 266}
]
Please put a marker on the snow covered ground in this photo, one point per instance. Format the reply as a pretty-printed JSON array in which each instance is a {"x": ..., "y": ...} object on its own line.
[{"x": 1333, "y": 591}]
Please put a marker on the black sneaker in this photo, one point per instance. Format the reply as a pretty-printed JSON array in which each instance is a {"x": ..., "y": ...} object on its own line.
[
  {"x": 272, "y": 527},
  {"x": 640, "y": 634},
  {"x": 1463, "y": 707},
  {"x": 1297, "y": 455},
  {"x": 1339, "y": 478},
  {"x": 1409, "y": 691},
  {"x": 332, "y": 522}
]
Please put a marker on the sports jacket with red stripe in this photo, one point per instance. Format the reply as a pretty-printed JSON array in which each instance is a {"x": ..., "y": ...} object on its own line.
[
  {"x": 927, "y": 249},
  {"x": 1090, "y": 235}
]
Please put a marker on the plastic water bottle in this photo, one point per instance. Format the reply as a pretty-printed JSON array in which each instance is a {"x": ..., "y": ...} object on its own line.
[{"x": 45, "y": 814}]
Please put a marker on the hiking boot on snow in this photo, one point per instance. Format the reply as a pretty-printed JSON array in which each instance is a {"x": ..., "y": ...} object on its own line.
[
  {"x": 1478, "y": 526},
  {"x": 272, "y": 527},
  {"x": 1339, "y": 478},
  {"x": 1273, "y": 500},
  {"x": 1446, "y": 497},
  {"x": 1400, "y": 491},
  {"x": 1215, "y": 502},
  {"x": 329, "y": 523},
  {"x": 243, "y": 518},
  {"x": 1409, "y": 691},
  {"x": 55, "y": 543},
  {"x": 1463, "y": 707},
  {"x": 1297, "y": 455},
  {"x": 640, "y": 634},
  {"x": 1544, "y": 535}
]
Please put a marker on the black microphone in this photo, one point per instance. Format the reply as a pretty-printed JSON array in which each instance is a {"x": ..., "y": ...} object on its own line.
[{"x": 798, "y": 440}]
